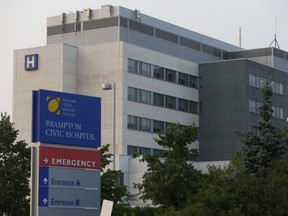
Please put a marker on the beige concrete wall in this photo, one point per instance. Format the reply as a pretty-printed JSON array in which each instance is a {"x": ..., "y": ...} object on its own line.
[
  {"x": 99, "y": 64},
  {"x": 53, "y": 67}
]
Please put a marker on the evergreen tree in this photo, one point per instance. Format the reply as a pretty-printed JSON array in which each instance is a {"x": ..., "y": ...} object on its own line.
[
  {"x": 265, "y": 143},
  {"x": 170, "y": 179},
  {"x": 14, "y": 170}
]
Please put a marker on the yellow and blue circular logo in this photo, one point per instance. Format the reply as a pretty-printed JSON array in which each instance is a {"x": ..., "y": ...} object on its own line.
[{"x": 53, "y": 105}]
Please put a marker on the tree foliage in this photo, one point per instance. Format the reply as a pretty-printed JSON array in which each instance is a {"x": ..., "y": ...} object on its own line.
[
  {"x": 248, "y": 194},
  {"x": 169, "y": 178},
  {"x": 265, "y": 143},
  {"x": 110, "y": 188},
  {"x": 14, "y": 170}
]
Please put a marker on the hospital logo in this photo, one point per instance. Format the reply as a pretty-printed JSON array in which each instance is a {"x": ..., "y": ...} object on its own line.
[
  {"x": 31, "y": 62},
  {"x": 53, "y": 105}
]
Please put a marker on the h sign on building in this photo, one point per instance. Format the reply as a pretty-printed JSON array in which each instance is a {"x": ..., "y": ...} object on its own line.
[{"x": 31, "y": 62}]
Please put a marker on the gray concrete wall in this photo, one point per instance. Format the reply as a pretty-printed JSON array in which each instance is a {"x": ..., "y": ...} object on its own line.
[{"x": 224, "y": 96}]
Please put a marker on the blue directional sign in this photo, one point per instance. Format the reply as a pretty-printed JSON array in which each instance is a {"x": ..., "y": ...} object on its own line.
[
  {"x": 43, "y": 196},
  {"x": 43, "y": 191},
  {"x": 69, "y": 198},
  {"x": 68, "y": 187},
  {"x": 68, "y": 177},
  {"x": 63, "y": 118},
  {"x": 43, "y": 176}
]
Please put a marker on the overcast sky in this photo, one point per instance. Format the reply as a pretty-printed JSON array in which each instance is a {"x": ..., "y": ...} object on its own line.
[{"x": 23, "y": 24}]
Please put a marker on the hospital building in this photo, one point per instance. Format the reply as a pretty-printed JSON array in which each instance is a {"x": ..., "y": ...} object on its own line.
[{"x": 150, "y": 74}]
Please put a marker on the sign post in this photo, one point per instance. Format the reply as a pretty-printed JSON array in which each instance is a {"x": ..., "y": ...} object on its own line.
[{"x": 66, "y": 165}]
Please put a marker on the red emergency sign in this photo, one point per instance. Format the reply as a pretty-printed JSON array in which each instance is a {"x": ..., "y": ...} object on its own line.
[{"x": 74, "y": 158}]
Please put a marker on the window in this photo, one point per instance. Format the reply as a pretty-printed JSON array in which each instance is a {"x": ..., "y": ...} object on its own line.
[
  {"x": 193, "y": 81},
  {"x": 254, "y": 106},
  {"x": 120, "y": 181},
  {"x": 138, "y": 67},
  {"x": 132, "y": 94},
  {"x": 183, "y": 105},
  {"x": 145, "y": 69},
  {"x": 148, "y": 125},
  {"x": 183, "y": 79},
  {"x": 167, "y": 124},
  {"x": 144, "y": 151},
  {"x": 278, "y": 112},
  {"x": 158, "y": 152},
  {"x": 158, "y": 72},
  {"x": 144, "y": 97},
  {"x": 256, "y": 81},
  {"x": 145, "y": 124},
  {"x": 252, "y": 80},
  {"x": 193, "y": 107},
  {"x": 170, "y": 102},
  {"x": 132, "y": 150},
  {"x": 161, "y": 100},
  {"x": 158, "y": 99},
  {"x": 136, "y": 149},
  {"x": 139, "y": 95},
  {"x": 132, "y": 66},
  {"x": 277, "y": 87},
  {"x": 132, "y": 122},
  {"x": 158, "y": 126},
  {"x": 162, "y": 73},
  {"x": 170, "y": 75}
]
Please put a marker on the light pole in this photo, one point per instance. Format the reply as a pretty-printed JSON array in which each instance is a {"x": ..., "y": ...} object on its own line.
[{"x": 109, "y": 86}]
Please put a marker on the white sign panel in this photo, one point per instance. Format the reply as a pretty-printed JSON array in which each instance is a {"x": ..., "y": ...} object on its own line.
[{"x": 107, "y": 207}]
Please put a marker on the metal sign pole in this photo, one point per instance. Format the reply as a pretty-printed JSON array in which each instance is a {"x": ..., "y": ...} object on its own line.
[{"x": 34, "y": 181}]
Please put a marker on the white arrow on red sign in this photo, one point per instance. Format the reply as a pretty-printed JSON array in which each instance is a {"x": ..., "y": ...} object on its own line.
[{"x": 45, "y": 160}]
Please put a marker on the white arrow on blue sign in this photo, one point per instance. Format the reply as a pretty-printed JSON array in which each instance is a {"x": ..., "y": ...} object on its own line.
[
  {"x": 45, "y": 201},
  {"x": 45, "y": 180},
  {"x": 68, "y": 187}
]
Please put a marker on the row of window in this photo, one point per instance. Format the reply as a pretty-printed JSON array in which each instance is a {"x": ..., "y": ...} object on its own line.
[
  {"x": 147, "y": 125},
  {"x": 258, "y": 82},
  {"x": 143, "y": 150},
  {"x": 131, "y": 150},
  {"x": 161, "y": 100},
  {"x": 162, "y": 73},
  {"x": 278, "y": 112}
]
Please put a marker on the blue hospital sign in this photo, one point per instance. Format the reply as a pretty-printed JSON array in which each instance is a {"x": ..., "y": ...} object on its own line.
[
  {"x": 31, "y": 62},
  {"x": 68, "y": 119}
]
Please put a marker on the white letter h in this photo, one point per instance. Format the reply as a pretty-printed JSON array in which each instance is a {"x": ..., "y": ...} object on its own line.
[{"x": 30, "y": 61}]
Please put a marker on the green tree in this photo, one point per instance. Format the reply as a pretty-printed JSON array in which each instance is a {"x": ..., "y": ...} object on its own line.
[
  {"x": 110, "y": 188},
  {"x": 261, "y": 195},
  {"x": 247, "y": 194},
  {"x": 14, "y": 170},
  {"x": 215, "y": 195},
  {"x": 169, "y": 178},
  {"x": 265, "y": 143}
]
